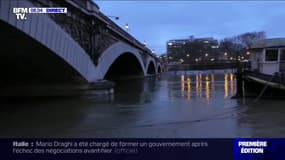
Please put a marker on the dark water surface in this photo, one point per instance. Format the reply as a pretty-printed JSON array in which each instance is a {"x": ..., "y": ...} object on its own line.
[{"x": 182, "y": 104}]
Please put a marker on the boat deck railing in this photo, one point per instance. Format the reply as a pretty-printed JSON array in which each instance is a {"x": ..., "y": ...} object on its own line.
[{"x": 278, "y": 77}]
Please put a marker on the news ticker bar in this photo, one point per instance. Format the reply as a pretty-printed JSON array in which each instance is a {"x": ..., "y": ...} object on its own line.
[{"x": 78, "y": 148}]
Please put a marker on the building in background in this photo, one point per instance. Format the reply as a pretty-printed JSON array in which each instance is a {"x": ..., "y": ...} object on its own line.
[{"x": 192, "y": 50}]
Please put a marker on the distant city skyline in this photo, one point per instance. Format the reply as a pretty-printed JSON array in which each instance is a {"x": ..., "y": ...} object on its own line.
[{"x": 156, "y": 22}]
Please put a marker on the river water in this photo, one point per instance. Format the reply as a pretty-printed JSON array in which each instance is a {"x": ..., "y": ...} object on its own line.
[{"x": 184, "y": 104}]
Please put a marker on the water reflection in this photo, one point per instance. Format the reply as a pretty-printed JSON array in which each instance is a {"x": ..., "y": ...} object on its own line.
[
  {"x": 205, "y": 84},
  {"x": 208, "y": 90},
  {"x": 199, "y": 84},
  {"x": 229, "y": 84},
  {"x": 226, "y": 85},
  {"x": 177, "y": 104},
  {"x": 232, "y": 84},
  {"x": 213, "y": 82},
  {"x": 135, "y": 91},
  {"x": 182, "y": 85},
  {"x": 188, "y": 88}
]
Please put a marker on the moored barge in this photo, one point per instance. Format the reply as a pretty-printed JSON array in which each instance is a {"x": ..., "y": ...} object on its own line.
[{"x": 266, "y": 74}]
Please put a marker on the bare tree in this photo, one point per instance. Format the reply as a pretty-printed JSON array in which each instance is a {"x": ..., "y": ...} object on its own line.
[
  {"x": 237, "y": 45},
  {"x": 248, "y": 38}
]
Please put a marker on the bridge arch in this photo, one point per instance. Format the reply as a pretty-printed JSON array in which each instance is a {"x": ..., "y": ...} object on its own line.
[
  {"x": 151, "y": 69},
  {"x": 158, "y": 68},
  {"x": 120, "y": 57},
  {"x": 125, "y": 65}
]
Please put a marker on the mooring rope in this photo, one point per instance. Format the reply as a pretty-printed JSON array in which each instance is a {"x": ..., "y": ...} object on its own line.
[{"x": 263, "y": 90}]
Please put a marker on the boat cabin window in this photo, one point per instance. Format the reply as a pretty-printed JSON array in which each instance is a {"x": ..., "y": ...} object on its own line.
[
  {"x": 271, "y": 55},
  {"x": 282, "y": 55}
]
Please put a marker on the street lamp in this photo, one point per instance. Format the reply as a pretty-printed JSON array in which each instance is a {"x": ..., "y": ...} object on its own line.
[
  {"x": 116, "y": 17},
  {"x": 127, "y": 26}
]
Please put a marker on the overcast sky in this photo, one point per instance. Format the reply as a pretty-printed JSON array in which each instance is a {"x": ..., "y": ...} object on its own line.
[{"x": 159, "y": 21}]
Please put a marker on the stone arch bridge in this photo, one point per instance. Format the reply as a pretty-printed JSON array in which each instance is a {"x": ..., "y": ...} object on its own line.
[{"x": 82, "y": 45}]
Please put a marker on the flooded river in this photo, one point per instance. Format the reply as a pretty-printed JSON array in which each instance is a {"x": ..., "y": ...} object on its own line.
[{"x": 172, "y": 105}]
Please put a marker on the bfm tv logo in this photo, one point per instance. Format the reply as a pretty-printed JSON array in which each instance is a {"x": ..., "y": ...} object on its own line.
[{"x": 21, "y": 12}]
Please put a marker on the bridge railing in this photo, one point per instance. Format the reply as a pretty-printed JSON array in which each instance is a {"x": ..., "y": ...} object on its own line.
[
  {"x": 114, "y": 27},
  {"x": 92, "y": 14},
  {"x": 125, "y": 35}
]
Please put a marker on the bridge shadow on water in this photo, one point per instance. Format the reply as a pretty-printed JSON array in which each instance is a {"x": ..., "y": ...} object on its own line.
[
  {"x": 48, "y": 116},
  {"x": 135, "y": 90}
]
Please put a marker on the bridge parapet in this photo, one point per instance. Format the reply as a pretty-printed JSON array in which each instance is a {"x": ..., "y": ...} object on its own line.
[{"x": 89, "y": 5}]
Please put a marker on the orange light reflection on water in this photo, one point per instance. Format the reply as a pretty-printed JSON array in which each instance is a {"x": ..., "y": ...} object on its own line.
[
  {"x": 182, "y": 85},
  {"x": 188, "y": 88},
  {"x": 226, "y": 85},
  {"x": 209, "y": 88}
]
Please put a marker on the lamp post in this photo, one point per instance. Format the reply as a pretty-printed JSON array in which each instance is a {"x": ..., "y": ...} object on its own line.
[
  {"x": 127, "y": 26},
  {"x": 226, "y": 56},
  {"x": 115, "y": 17}
]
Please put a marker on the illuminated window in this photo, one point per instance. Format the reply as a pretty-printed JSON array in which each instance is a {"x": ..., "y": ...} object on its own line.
[{"x": 271, "y": 55}]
